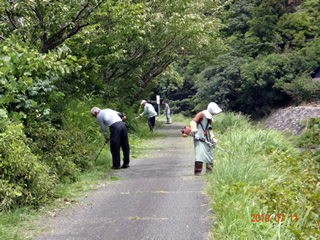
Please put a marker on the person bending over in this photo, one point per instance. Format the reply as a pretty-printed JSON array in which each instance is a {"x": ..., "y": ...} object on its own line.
[
  {"x": 149, "y": 109},
  {"x": 118, "y": 134}
]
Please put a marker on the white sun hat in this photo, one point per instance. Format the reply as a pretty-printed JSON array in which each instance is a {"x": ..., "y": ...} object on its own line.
[
  {"x": 213, "y": 108},
  {"x": 143, "y": 101},
  {"x": 207, "y": 114}
]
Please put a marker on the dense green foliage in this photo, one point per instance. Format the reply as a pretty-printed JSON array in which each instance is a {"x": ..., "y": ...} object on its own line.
[
  {"x": 65, "y": 151},
  {"x": 272, "y": 48},
  {"x": 310, "y": 138},
  {"x": 263, "y": 175},
  {"x": 24, "y": 180}
]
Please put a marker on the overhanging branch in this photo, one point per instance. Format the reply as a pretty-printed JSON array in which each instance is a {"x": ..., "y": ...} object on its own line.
[
  {"x": 75, "y": 19},
  {"x": 11, "y": 20},
  {"x": 73, "y": 31}
]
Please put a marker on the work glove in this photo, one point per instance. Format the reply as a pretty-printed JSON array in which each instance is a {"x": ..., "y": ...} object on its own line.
[
  {"x": 212, "y": 138},
  {"x": 122, "y": 116},
  {"x": 193, "y": 126},
  {"x": 214, "y": 141},
  {"x": 106, "y": 140},
  {"x": 196, "y": 136}
]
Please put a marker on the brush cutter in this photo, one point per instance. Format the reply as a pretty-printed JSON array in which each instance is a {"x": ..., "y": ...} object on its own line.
[
  {"x": 212, "y": 145},
  {"x": 101, "y": 149},
  {"x": 140, "y": 117},
  {"x": 186, "y": 131}
]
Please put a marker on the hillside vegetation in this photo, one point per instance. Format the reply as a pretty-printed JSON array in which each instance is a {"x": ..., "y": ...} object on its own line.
[{"x": 272, "y": 49}]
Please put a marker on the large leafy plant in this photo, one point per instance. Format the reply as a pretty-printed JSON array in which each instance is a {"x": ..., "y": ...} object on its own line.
[{"x": 27, "y": 79}]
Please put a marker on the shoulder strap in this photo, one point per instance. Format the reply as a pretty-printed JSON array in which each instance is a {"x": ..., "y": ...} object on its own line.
[{"x": 204, "y": 130}]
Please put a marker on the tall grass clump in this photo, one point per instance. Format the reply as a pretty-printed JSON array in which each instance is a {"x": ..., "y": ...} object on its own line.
[
  {"x": 249, "y": 181},
  {"x": 180, "y": 118},
  {"x": 21, "y": 217},
  {"x": 24, "y": 180},
  {"x": 228, "y": 121}
]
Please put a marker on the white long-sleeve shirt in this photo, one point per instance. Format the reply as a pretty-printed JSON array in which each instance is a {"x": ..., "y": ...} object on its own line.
[
  {"x": 149, "y": 109},
  {"x": 167, "y": 109},
  {"x": 107, "y": 117}
]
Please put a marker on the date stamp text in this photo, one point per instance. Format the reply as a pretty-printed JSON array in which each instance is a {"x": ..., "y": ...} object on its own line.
[{"x": 275, "y": 217}]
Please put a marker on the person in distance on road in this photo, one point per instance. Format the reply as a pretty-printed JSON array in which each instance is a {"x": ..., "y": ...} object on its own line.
[
  {"x": 118, "y": 134},
  {"x": 167, "y": 112},
  {"x": 201, "y": 128}
]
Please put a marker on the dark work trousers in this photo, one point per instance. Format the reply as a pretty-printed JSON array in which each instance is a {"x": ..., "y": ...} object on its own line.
[
  {"x": 119, "y": 138},
  {"x": 151, "y": 122}
]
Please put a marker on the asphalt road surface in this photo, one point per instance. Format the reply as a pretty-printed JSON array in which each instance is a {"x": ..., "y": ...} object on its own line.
[{"x": 157, "y": 198}]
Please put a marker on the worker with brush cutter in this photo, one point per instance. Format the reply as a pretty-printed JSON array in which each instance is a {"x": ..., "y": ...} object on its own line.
[
  {"x": 201, "y": 128},
  {"x": 118, "y": 134},
  {"x": 148, "y": 109}
]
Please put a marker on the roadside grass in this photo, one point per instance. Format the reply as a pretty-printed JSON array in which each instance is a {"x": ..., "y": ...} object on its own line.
[
  {"x": 140, "y": 142},
  {"x": 15, "y": 224},
  {"x": 179, "y": 118},
  {"x": 257, "y": 182}
]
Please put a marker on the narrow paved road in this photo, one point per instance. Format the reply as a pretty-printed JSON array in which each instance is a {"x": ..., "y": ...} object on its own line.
[{"x": 157, "y": 198}]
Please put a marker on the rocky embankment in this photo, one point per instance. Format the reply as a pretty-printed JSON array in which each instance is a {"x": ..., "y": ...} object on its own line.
[{"x": 292, "y": 118}]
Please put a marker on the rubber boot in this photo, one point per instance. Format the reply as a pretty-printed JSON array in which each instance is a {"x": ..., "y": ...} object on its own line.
[
  {"x": 209, "y": 167},
  {"x": 197, "y": 168}
]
